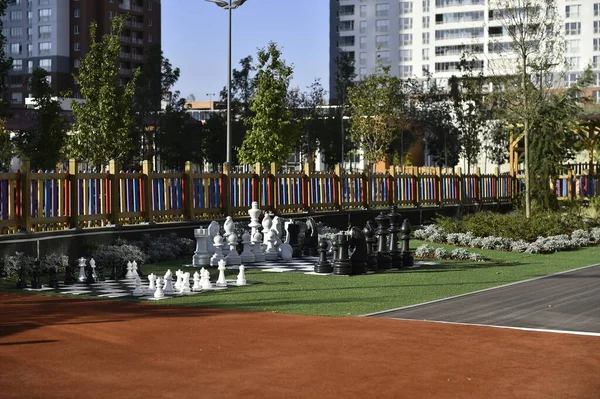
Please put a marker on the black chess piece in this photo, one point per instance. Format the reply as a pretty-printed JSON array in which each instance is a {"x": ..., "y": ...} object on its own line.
[
  {"x": 371, "y": 241},
  {"x": 323, "y": 265},
  {"x": 384, "y": 260},
  {"x": 69, "y": 275},
  {"x": 100, "y": 273},
  {"x": 89, "y": 274},
  {"x": 342, "y": 265},
  {"x": 334, "y": 250},
  {"x": 394, "y": 230},
  {"x": 359, "y": 257},
  {"x": 293, "y": 230},
  {"x": 35, "y": 276},
  {"x": 407, "y": 256},
  {"x": 311, "y": 237},
  {"x": 113, "y": 271},
  {"x": 53, "y": 281},
  {"x": 21, "y": 279}
]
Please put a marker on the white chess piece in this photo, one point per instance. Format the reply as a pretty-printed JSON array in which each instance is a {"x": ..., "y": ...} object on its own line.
[
  {"x": 228, "y": 226},
  {"x": 267, "y": 222},
  {"x": 254, "y": 213},
  {"x": 129, "y": 270},
  {"x": 277, "y": 226},
  {"x": 257, "y": 247},
  {"x": 205, "y": 280},
  {"x": 134, "y": 269},
  {"x": 168, "y": 287},
  {"x": 151, "y": 287},
  {"x": 213, "y": 231},
  {"x": 196, "y": 286},
  {"x": 159, "y": 293},
  {"x": 246, "y": 256},
  {"x": 138, "y": 287},
  {"x": 218, "y": 255},
  {"x": 233, "y": 258},
  {"x": 82, "y": 277},
  {"x": 184, "y": 288},
  {"x": 201, "y": 256},
  {"x": 93, "y": 266},
  {"x": 221, "y": 282},
  {"x": 271, "y": 253},
  {"x": 241, "y": 277},
  {"x": 179, "y": 275}
]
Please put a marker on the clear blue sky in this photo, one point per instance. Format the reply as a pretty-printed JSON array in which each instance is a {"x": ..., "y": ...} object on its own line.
[{"x": 194, "y": 39}]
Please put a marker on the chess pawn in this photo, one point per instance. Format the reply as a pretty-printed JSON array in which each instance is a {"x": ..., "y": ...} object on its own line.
[
  {"x": 179, "y": 275},
  {"x": 241, "y": 277},
  {"x": 267, "y": 222},
  {"x": 137, "y": 270},
  {"x": 218, "y": 255},
  {"x": 129, "y": 273},
  {"x": 246, "y": 256},
  {"x": 323, "y": 265},
  {"x": 82, "y": 277},
  {"x": 184, "y": 288},
  {"x": 138, "y": 287},
  {"x": 233, "y": 258},
  {"x": 271, "y": 253},
  {"x": 168, "y": 287},
  {"x": 151, "y": 287},
  {"x": 93, "y": 266},
  {"x": 221, "y": 282},
  {"x": 158, "y": 292},
  {"x": 257, "y": 247},
  {"x": 205, "y": 280},
  {"x": 228, "y": 226},
  {"x": 213, "y": 231},
  {"x": 196, "y": 286}
]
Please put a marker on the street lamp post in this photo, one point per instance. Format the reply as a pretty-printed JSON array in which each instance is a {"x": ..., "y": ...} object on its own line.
[{"x": 228, "y": 5}]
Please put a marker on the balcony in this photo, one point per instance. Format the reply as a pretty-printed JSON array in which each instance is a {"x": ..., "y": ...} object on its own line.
[
  {"x": 125, "y": 39},
  {"x": 133, "y": 24},
  {"x": 137, "y": 41},
  {"x": 125, "y": 55},
  {"x": 137, "y": 9},
  {"x": 126, "y": 71},
  {"x": 137, "y": 57}
]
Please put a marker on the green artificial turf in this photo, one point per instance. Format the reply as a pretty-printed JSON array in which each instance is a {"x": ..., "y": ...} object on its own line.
[{"x": 349, "y": 296}]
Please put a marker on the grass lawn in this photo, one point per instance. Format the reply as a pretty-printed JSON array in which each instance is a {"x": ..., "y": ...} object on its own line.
[{"x": 350, "y": 296}]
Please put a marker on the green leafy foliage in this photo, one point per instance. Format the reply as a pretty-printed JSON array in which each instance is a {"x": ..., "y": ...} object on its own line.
[
  {"x": 11, "y": 264},
  {"x": 44, "y": 143},
  {"x": 272, "y": 135},
  {"x": 515, "y": 225},
  {"x": 54, "y": 261},
  {"x": 103, "y": 121}
]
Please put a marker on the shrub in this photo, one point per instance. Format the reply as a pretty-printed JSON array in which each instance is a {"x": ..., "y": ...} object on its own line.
[
  {"x": 424, "y": 251},
  {"x": 11, "y": 264},
  {"x": 117, "y": 256},
  {"x": 54, "y": 261},
  {"x": 427, "y": 252}
]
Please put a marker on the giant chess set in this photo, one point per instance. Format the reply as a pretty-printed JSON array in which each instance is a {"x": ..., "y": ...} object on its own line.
[{"x": 264, "y": 247}]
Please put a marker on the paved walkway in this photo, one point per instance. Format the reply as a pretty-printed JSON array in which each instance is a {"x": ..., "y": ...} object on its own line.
[{"x": 567, "y": 301}]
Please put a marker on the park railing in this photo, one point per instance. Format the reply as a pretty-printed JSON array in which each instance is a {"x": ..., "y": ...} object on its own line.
[{"x": 46, "y": 200}]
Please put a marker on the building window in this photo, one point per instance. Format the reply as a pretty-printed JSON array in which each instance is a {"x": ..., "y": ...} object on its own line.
[
  {"x": 149, "y": 6},
  {"x": 574, "y": 28},
  {"x": 362, "y": 58},
  {"x": 382, "y": 10},
  {"x": 572, "y": 46},
  {"x": 426, "y": 38},
  {"x": 46, "y": 64},
  {"x": 571, "y": 79},
  {"x": 29, "y": 17},
  {"x": 346, "y": 40},
  {"x": 406, "y": 39},
  {"x": 29, "y": 33},
  {"x": 16, "y": 31},
  {"x": 572, "y": 11},
  {"x": 596, "y": 27},
  {"x": 16, "y": 98},
  {"x": 29, "y": 50},
  {"x": 362, "y": 73},
  {"x": 76, "y": 29},
  {"x": 44, "y": 2},
  {"x": 405, "y": 23},
  {"x": 44, "y": 48},
  {"x": 425, "y": 5},
  {"x": 425, "y": 70},
  {"x": 76, "y": 46},
  {"x": 596, "y": 95},
  {"x": 406, "y": 71},
  {"x": 76, "y": 62},
  {"x": 382, "y": 41},
  {"x": 17, "y": 65},
  {"x": 406, "y": 7},
  {"x": 44, "y": 15},
  {"x": 16, "y": 15},
  {"x": 596, "y": 9},
  {"x": 425, "y": 54},
  {"x": 149, "y": 37},
  {"x": 44, "y": 31},
  {"x": 346, "y": 26},
  {"x": 111, "y": 15},
  {"x": 596, "y": 44},
  {"x": 346, "y": 10},
  {"x": 362, "y": 42},
  {"x": 573, "y": 63},
  {"x": 405, "y": 55},
  {"x": 15, "y": 48},
  {"x": 76, "y": 13},
  {"x": 363, "y": 26},
  {"x": 150, "y": 21},
  {"x": 382, "y": 25},
  {"x": 383, "y": 57},
  {"x": 15, "y": 80},
  {"x": 363, "y": 11},
  {"x": 29, "y": 66},
  {"x": 595, "y": 62},
  {"x": 425, "y": 22}
]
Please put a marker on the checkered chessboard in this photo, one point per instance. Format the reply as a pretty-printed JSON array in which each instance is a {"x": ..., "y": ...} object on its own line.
[{"x": 303, "y": 265}]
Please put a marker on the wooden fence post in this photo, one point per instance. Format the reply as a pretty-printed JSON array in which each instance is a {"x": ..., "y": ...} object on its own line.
[
  {"x": 415, "y": 173},
  {"x": 307, "y": 192},
  {"x": 478, "y": 184},
  {"x": 188, "y": 184},
  {"x": 257, "y": 185},
  {"x": 25, "y": 195},
  {"x": 226, "y": 184},
  {"x": 337, "y": 170},
  {"x": 274, "y": 186},
  {"x": 570, "y": 184},
  {"x": 114, "y": 172},
  {"x": 497, "y": 183},
  {"x": 391, "y": 183},
  {"x": 147, "y": 191},
  {"x": 73, "y": 195},
  {"x": 460, "y": 184},
  {"x": 367, "y": 185},
  {"x": 438, "y": 183}
]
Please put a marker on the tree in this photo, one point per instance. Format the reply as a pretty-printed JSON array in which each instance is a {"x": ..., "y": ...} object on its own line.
[
  {"x": 377, "y": 113},
  {"x": 103, "y": 121},
  {"x": 44, "y": 142},
  {"x": 7, "y": 151},
  {"x": 497, "y": 143},
  {"x": 344, "y": 80},
  {"x": 469, "y": 109},
  {"x": 272, "y": 135},
  {"x": 533, "y": 28}
]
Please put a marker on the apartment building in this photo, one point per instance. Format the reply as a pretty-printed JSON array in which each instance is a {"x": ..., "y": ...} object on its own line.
[
  {"x": 54, "y": 35},
  {"x": 414, "y": 37}
]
